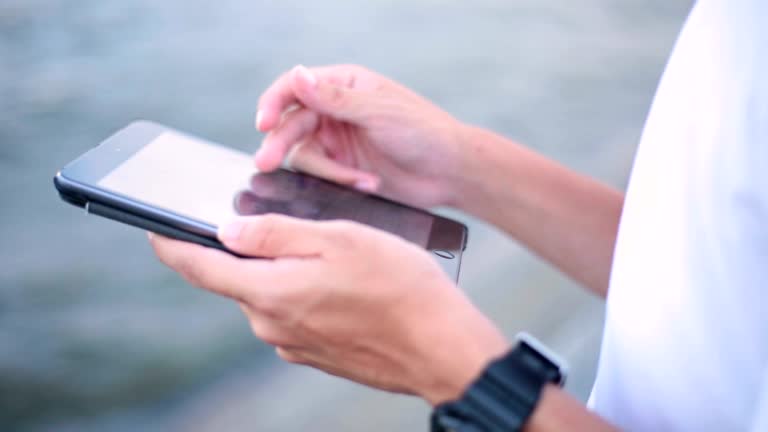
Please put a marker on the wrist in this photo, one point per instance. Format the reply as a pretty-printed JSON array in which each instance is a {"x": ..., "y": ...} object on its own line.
[
  {"x": 458, "y": 355},
  {"x": 451, "y": 386}
]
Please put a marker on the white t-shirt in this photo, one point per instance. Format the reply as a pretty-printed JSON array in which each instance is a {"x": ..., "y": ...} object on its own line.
[{"x": 686, "y": 334}]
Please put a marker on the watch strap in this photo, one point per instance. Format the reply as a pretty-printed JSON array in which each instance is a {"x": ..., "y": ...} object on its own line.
[{"x": 503, "y": 397}]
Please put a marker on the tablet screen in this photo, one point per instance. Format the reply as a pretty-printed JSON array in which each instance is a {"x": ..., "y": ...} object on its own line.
[{"x": 212, "y": 184}]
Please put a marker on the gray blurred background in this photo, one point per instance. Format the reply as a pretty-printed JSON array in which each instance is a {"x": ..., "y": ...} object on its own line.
[{"x": 95, "y": 335}]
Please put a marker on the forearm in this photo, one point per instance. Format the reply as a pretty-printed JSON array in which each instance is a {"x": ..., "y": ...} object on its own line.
[
  {"x": 558, "y": 411},
  {"x": 566, "y": 218}
]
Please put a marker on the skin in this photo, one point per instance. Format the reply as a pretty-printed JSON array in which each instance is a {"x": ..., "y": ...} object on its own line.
[{"x": 368, "y": 306}]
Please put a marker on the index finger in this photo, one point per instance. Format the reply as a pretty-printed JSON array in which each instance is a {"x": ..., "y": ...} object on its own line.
[
  {"x": 280, "y": 95},
  {"x": 276, "y": 99}
]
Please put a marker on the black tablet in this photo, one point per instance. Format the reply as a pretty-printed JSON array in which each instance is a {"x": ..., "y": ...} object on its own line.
[{"x": 159, "y": 179}]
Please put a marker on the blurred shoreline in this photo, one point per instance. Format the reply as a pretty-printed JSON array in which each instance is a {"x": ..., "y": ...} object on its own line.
[{"x": 95, "y": 335}]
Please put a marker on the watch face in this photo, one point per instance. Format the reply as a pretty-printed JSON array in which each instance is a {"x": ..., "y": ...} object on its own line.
[{"x": 547, "y": 354}]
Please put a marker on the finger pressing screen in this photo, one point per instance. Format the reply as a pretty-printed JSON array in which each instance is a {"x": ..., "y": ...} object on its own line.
[
  {"x": 296, "y": 126},
  {"x": 281, "y": 94}
]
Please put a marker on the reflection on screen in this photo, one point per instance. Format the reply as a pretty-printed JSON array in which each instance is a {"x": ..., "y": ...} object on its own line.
[
  {"x": 307, "y": 197},
  {"x": 212, "y": 184}
]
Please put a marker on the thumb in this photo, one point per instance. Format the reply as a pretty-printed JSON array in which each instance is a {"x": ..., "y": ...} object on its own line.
[
  {"x": 326, "y": 98},
  {"x": 275, "y": 236}
]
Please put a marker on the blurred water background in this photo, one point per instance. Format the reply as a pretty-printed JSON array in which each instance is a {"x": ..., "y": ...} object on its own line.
[{"x": 95, "y": 335}]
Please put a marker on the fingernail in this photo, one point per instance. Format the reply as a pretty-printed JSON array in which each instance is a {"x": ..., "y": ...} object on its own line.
[
  {"x": 231, "y": 230},
  {"x": 306, "y": 75},
  {"x": 150, "y": 235},
  {"x": 365, "y": 185},
  {"x": 259, "y": 115}
]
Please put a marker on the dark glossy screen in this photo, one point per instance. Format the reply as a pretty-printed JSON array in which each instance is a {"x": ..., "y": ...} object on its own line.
[{"x": 307, "y": 197}]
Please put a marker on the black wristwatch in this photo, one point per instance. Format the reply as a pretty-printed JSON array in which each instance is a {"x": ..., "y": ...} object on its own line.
[{"x": 505, "y": 395}]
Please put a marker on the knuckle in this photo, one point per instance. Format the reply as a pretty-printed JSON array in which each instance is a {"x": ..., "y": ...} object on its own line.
[
  {"x": 267, "y": 333},
  {"x": 289, "y": 356},
  {"x": 273, "y": 306},
  {"x": 259, "y": 233},
  {"x": 343, "y": 234},
  {"x": 194, "y": 273},
  {"x": 269, "y": 339},
  {"x": 336, "y": 97},
  {"x": 273, "y": 338}
]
